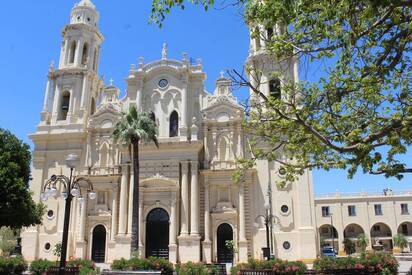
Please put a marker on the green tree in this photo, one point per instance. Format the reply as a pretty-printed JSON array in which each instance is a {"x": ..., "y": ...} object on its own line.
[
  {"x": 349, "y": 245},
  {"x": 362, "y": 241},
  {"x": 132, "y": 128},
  {"x": 17, "y": 208},
  {"x": 7, "y": 241},
  {"x": 357, "y": 114},
  {"x": 400, "y": 241}
]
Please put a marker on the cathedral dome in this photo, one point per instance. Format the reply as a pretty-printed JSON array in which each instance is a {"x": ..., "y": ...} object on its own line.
[
  {"x": 85, "y": 12},
  {"x": 86, "y": 3}
]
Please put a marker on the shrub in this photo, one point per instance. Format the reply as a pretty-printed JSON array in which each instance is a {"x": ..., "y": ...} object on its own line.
[
  {"x": 12, "y": 265},
  {"x": 278, "y": 265},
  {"x": 151, "y": 263},
  {"x": 370, "y": 263},
  {"x": 37, "y": 267},
  {"x": 121, "y": 264},
  {"x": 197, "y": 269},
  {"x": 86, "y": 267}
]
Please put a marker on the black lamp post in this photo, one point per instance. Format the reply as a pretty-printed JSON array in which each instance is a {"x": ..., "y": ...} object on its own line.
[
  {"x": 268, "y": 221},
  {"x": 71, "y": 188}
]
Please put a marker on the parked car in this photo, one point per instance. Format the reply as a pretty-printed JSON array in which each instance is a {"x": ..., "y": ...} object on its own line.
[{"x": 328, "y": 251}]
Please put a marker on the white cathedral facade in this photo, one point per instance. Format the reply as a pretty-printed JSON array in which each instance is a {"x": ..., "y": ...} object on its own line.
[{"x": 189, "y": 205}]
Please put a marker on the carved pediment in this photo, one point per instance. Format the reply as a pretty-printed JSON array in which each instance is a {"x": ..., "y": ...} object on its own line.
[
  {"x": 105, "y": 117},
  {"x": 222, "y": 109},
  {"x": 159, "y": 182}
]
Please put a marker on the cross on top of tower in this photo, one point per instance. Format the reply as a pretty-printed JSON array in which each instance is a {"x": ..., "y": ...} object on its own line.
[{"x": 111, "y": 81}]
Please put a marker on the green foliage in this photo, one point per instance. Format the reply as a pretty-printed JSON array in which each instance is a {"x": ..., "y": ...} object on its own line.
[
  {"x": 151, "y": 263},
  {"x": 350, "y": 246},
  {"x": 197, "y": 269},
  {"x": 281, "y": 267},
  {"x": 357, "y": 114},
  {"x": 362, "y": 241},
  {"x": 37, "y": 267},
  {"x": 12, "y": 265},
  {"x": 135, "y": 126},
  {"x": 17, "y": 208},
  {"x": 400, "y": 241},
  {"x": 57, "y": 250},
  {"x": 86, "y": 267},
  {"x": 160, "y": 8},
  {"x": 373, "y": 263},
  {"x": 7, "y": 241}
]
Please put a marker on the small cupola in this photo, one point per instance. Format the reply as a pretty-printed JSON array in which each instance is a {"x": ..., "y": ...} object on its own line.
[
  {"x": 110, "y": 94},
  {"x": 223, "y": 85},
  {"x": 85, "y": 12}
]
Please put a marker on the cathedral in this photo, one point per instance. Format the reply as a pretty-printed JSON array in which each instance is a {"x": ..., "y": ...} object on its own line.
[{"x": 188, "y": 203}]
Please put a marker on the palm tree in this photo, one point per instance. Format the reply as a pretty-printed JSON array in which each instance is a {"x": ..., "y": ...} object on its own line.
[
  {"x": 362, "y": 241},
  {"x": 400, "y": 241},
  {"x": 132, "y": 128}
]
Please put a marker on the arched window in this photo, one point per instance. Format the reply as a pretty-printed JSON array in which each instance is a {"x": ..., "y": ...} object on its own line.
[
  {"x": 224, "y": 152},
  {"x": 72, "y": 52},
  {"x": 274, "y": 88},
  {"x": 85, "y": 54},
  {"x": 64, "y": 106},
  {"x": 174, "y": 124},
  {"x": 269, "y": 33},
  {"x": 92, "y": 106}
]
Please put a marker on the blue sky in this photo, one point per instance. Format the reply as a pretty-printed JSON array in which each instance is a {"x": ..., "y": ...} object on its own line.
[{"x": 31, "y": 37}]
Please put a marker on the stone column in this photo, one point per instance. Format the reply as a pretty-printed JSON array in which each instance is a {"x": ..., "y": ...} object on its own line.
[
  {"x": 242, "y": 225},
  {"x": 78, "y": 55},
  {"x": 56, "y": 102},
  {"x": 206, "y": 145},
  {"x": 141, "y": 220},
  {"x": 81, "y": 245},
  {"x": 47, "y": 95},
  {"x": 194, "y": 198},
  {"x": 114, "y": 214},
  {"x": 185, "y": 199},
  {"x": 207, "y": 244},
  {"x": 183, "y": 124},
  {"x": 239, "y": 142},
  {"x": 123, "y": 200},
  {"x": 139, "y": 95},
  {"x": 130, "y": 206},
  {"x": 83, "y": 217},
  {"x": 84, "y": 92},
  {"x": 172, "y": 232}
]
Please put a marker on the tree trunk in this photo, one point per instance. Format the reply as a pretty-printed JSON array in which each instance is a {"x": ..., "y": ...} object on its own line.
[{"x": 136, "y": 197}]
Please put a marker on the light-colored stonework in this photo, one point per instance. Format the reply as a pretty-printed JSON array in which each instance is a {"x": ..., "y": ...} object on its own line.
[
  {"x": 379, "y": 216},
  {"x": 189, "y": 176}
]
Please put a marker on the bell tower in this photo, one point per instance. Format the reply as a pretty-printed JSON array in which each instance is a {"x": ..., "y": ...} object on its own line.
[
  {"x": 266, "y": 73},
  {"x": 73, "y": 87},
  {"x": 291, "y": 204}
]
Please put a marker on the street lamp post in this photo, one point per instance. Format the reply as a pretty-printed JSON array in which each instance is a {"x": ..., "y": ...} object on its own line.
[
  {"x": 268, "y": 220},
  {"x": 71, "y": 188}
]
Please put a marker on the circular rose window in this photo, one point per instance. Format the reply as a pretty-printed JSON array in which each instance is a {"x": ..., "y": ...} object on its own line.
[
  {"x": 284, "y": 208},
  {"x": 163, "y": 83}
]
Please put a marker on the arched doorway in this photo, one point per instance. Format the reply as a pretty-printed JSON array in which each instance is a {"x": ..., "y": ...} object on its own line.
[
  {"x": 381, "y": 237},
  {"x": 157, "y": 233},
  {"x": 99, "y": 244},
  {"x": 328, "y": 236},
  {"x": 351, "y": 234},
  {"x": 224, "y": 233}
]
